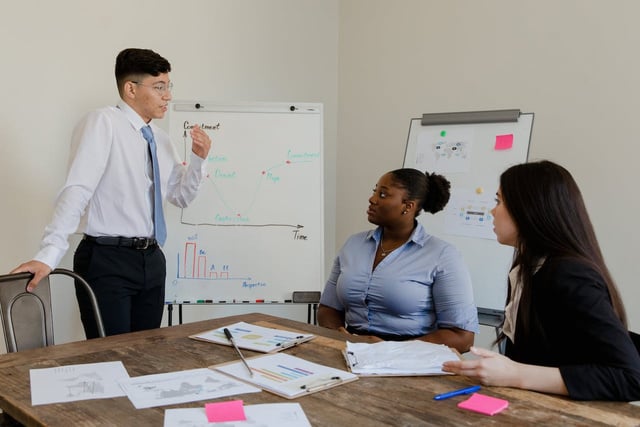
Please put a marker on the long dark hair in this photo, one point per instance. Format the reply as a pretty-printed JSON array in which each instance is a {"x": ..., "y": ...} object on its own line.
[{"x": 547, "y": 208}]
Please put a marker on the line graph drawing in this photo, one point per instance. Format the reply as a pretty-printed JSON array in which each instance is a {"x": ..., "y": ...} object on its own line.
[{"x": 251, "y": 167}]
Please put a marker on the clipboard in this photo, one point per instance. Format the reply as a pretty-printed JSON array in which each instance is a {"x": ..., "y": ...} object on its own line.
[
  {"x": 398, "y": 358},
  {"x": 255, "y": 338},
  {"x": 286, "y": 375}
]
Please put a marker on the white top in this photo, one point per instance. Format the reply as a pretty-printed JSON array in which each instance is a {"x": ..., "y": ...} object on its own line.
[
  {"x": 109, "y": 184},
  {"x": 511, "y": 309}
]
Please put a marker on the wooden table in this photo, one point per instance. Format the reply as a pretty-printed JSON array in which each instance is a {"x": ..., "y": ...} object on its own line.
[{"x": 406, "y": 401}]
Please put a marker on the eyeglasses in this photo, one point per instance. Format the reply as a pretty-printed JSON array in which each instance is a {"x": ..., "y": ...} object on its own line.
[{"x": 161, "y": 88}]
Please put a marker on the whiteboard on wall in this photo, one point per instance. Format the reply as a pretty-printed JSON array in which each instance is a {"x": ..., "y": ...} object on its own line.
[
  {"x": 256, "y": 229},
  {"x": 471, "y": 150}
]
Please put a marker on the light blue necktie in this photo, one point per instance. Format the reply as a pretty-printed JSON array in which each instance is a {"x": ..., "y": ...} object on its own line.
[{"x": 158, "y": 215}]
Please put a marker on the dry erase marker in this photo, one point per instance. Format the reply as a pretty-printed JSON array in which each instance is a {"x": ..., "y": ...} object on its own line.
[{"x": 449, "y": 394}]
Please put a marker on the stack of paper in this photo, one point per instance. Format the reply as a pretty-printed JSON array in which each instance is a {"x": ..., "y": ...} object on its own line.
[{"x": 405, "y": 358}]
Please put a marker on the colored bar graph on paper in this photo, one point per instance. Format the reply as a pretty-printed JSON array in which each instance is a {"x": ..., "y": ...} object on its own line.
[{"x": 284, "y": 373}]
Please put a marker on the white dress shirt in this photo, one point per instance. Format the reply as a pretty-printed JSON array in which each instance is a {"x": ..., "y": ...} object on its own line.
[{"x": 109, "y": 184}]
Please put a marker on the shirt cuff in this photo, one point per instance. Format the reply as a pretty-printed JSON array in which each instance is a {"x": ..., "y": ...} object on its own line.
[
  {"x": 50, "y": 255},
  {"x": 198, "y": 162}
]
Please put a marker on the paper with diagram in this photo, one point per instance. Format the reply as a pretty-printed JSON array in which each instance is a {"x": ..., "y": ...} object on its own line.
[{"x": 76, "y": 382}]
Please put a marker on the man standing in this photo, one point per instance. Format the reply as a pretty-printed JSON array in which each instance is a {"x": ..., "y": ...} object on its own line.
[{"x": 122, "y": 168}]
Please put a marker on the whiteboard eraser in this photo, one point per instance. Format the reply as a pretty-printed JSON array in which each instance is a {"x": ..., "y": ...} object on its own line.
[{"x": 306, "y": 296}]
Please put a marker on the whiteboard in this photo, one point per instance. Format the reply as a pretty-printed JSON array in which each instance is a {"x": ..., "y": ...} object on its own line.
[
  {"x": 256, "y": 229},
  {"x": 471, "y": 151}
]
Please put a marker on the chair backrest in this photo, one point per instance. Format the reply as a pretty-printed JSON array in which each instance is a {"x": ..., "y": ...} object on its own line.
[
  {"x": 636, "y": 340},
  {"x": 27, "y": 317}
]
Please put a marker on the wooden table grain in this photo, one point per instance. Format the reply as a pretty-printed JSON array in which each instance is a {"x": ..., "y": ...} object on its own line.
[{"x": 370, "y": 401}]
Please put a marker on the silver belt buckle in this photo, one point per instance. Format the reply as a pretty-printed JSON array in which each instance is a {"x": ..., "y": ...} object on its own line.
[{"x": 140, "y": 243}]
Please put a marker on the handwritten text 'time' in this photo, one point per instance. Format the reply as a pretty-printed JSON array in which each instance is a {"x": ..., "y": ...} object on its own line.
[{"x": 297, "y": 235}]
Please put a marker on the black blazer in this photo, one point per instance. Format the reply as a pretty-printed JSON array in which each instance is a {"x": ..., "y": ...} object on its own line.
[{"x": 576, "y": 330}]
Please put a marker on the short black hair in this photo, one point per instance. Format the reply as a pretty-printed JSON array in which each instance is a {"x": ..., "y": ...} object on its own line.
[{"x": 136, "y": 62}]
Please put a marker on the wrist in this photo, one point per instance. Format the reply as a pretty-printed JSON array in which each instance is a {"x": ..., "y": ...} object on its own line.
[{"x": 519, "y": 378}]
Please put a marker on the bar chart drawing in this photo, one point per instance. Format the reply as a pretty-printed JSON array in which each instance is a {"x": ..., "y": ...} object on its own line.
[{"x": 194, "y": 265}]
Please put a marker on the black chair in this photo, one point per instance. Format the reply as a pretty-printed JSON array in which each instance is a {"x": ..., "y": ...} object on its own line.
[
  {"x": 27, "y": 317},
  {"x": 636, "y": 340}
]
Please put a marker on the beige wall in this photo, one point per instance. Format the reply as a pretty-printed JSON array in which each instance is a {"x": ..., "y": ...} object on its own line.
[{"x": 574, "y": 63}]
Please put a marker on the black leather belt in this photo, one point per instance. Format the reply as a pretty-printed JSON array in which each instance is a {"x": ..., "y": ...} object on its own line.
[
  {"x": 125, "y": 242},
  {"x": 385, "y": 337}
]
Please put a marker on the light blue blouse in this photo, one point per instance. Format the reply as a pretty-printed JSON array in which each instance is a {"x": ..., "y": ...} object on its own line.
[{"x": 418, "y": 288}]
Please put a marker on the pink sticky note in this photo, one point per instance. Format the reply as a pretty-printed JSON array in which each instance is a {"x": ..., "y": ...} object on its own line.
[
  {"x": 504, "y": 142},
  {"x": 225, "y": 411},
  {"x": 484, "y": 404}
]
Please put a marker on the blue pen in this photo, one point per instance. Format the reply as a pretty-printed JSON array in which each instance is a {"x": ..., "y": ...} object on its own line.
[{"x": 449, "y": 394}]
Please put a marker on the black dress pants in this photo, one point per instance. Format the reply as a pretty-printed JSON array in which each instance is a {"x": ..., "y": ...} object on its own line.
[{"x": 129, "y": 285}]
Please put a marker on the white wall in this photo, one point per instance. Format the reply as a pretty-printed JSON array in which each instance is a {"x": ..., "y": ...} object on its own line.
[
  {"x": 58, "y": 60},
  {"x": 574, "y": 63}
]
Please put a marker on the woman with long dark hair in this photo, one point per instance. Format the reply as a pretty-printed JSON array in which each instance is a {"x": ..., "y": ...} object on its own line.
[{"x": 565, "y": 329}]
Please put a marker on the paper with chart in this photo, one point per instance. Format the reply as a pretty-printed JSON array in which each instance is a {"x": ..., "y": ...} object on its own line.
[
  {"x": 468, "y": 213},
  {"x": 255, "y": 338},
  {"x": 76, "y": 382},
  {"x": 444, "y": 151},
  {"x": 287, "y": 376},
  {"x": 408, "y": 358},
  {"x": 179, "y": 387},
  {"x": 264, "y": 415}
]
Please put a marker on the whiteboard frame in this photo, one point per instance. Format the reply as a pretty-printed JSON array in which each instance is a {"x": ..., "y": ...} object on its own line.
[{"x": 279, "y": 288}]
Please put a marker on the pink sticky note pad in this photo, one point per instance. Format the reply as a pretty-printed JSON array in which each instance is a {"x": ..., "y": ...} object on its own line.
[
  {"x": 484, "y": 404},
  {"x": 225, "y": 411},
  {"x": 504, "y": 142}
]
